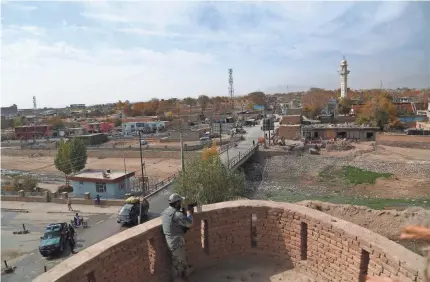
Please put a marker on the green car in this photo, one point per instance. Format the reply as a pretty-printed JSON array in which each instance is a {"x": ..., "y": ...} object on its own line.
[{"x": 54, "y": 240}]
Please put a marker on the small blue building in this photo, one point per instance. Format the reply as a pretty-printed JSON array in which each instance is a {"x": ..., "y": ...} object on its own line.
[{"x": 106, "y": 183}]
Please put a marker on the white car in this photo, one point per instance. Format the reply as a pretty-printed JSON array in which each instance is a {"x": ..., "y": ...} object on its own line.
[{"x": 143, "y": 142}]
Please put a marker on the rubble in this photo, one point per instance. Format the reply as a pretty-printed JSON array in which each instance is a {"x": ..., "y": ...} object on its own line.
[{"x": 339, "y": 145}]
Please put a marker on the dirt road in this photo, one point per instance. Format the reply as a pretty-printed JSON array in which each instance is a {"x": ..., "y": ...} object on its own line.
[{"x": 155, "y": 168}]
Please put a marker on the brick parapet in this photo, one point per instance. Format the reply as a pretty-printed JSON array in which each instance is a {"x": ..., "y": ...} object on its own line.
[{"x": 328, "y": 248}]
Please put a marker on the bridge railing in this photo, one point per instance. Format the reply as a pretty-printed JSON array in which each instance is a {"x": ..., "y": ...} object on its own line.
[{"x": 239, "y": 157}]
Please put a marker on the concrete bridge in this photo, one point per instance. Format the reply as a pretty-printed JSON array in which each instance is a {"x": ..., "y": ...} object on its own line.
[{"x": 237, "y": 156}]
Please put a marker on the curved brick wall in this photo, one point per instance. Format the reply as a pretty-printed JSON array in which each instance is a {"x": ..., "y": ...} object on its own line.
[{"x": 328, "y": 248}]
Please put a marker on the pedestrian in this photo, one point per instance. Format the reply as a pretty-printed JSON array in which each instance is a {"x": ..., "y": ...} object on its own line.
[
  {"x": 253, "y": 142},
  {"x": 98, "y": 200},
  {"x": 71, "y": 231},
  {"x": 71, "y": 243},
  {"x": 69, "y": 204},
  {"x": 175, "y": 224}
]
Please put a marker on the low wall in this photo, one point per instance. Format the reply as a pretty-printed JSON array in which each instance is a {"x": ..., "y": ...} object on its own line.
[
  {"x": 104, "y": 153},
  {"x": 48, "y": 198},
  {"x": 406, "y": 141},
  {"x": 327, "y": 248}
]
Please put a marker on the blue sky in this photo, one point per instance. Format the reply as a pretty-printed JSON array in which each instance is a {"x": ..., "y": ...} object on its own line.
[{"x": 96, "y": 52}]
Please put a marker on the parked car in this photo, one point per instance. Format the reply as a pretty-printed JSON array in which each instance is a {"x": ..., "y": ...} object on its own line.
[
  {"x": 129, "y": 213},
  {"x": 54, "y": 239},
  {"x": 143, "y": 142}
]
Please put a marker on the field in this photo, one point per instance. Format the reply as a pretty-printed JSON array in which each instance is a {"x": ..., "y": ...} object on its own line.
[
  {"x": 155, "y": 169},
  {"x": 387, "y": 177}
]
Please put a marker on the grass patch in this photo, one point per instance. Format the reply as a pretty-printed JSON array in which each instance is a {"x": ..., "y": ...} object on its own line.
[{"x": 357, "y": 175}]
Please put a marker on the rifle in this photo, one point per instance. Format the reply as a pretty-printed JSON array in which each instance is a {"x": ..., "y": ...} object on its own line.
[{"x": 189, "y": 207}]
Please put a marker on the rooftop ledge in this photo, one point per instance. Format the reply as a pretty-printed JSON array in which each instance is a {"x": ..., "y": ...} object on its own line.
[{"x": 306, "y": 240}]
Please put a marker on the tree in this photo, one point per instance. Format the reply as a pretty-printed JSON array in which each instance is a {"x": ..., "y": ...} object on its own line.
[
  {"x": 71, "y": 156},
  {"x": 378, "y": 111},
  {"x": 257, "y": 98},
  {"x": 209, "y": 181},
  {"x": 56, "y": 123},
  {"x": 203, "y": 101},
  {"x": 118, "y": 122},
  {"x": 16, "y": 122},
  {"x": 77, "y": 154},
  {"x": 210, "y": 152},
  {"x": 217, "y": 101},
  {"x": 345, "y": 106},
  {"x": 190, "y": 101},
  {"x": 27, "y": 183},
  {"x": 61, "y": 160}
]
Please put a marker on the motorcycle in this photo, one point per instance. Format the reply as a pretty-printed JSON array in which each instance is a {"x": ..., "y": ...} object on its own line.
[{"x": 82, "y": 223}]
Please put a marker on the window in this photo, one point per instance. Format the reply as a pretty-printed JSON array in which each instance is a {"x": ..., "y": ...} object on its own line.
[
  {"x": 100, "y": 187},
  {"x": 121, "y": 186}
]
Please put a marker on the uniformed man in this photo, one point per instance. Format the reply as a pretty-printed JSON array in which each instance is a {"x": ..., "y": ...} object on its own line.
[{"x": 175, "y": 224}]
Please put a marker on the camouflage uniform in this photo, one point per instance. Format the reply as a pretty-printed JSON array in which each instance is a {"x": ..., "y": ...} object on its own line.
[{"x": 174, "y": 225}]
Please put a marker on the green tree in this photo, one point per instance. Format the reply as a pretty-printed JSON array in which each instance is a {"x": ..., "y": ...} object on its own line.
[
  {"x": 203, "y": 101},
  {"x": 61, "y": 160},
  {"x": 71, "y": 156},
  {"x": 190, "y": 101},
  {"x": 77, "y": 154},
  {"x": 345, "y": 106},
  {"x": 207, "y": 180},
  {"x": 118, "y": 122},
  {"x": 16, "y": 122},
  {"x": 27, "y": 183},
  {"x": 257, "y": 98}
]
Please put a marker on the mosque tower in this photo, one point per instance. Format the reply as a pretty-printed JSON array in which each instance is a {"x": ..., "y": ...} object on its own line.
[{"x": 344, "y": 71}]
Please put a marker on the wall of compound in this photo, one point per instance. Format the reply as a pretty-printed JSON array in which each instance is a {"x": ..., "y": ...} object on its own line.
[{"x": 328, "y": 248}]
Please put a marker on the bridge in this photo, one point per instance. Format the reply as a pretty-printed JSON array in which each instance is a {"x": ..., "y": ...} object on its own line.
[{"x": 236, "y": 157}]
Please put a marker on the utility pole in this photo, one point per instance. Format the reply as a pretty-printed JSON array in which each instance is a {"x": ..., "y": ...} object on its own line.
[
  {"x": 220, "y": 135},
  {"x": 141, "y": 159},
  {"x": 181, "y": 140},
  {"x": 143, "y": 179},
  {"x": 123, "y": 136}
]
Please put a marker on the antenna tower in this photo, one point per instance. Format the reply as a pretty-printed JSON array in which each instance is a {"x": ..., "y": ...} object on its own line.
[
  {"x": 230, "y": 87},
  {"x": 34, "y": 105}
]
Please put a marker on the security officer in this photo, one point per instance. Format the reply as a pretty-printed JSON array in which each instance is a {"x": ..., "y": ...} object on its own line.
[{"x": 175, "y": 224}]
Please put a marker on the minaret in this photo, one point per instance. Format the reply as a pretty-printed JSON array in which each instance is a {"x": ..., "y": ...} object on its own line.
[{"x": 344, "y": 71}]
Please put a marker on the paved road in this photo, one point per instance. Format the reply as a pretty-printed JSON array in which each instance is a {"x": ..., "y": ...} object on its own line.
[
  {"x": 252, "y": 133},
  {"x": 30, "y": 266},
  {"x": 160, "y": 201}
]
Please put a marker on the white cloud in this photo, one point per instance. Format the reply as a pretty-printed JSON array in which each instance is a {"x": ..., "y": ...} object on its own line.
[
  {"x": 139, "y": 50},
  {"x": 12, "y": 30},
  {"x": 19, "y": 6}
]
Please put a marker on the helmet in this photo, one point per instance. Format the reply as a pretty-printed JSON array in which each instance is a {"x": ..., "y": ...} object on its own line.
[{"x": 175, "y": 198}]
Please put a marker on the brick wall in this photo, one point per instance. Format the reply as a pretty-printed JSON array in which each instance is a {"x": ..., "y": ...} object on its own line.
[
  {"x": 76, "y": 201},
  {"x": 406, "y": 141},
  {"x": 327, "y": 248},
  {"x": 15, "y": 198}
]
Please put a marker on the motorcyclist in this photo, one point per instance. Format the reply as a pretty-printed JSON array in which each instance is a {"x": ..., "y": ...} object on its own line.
[{"x": 77, "y": 219}]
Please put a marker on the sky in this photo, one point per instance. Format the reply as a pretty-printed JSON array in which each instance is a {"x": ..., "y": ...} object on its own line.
[{"x": 104, "y": 51}]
